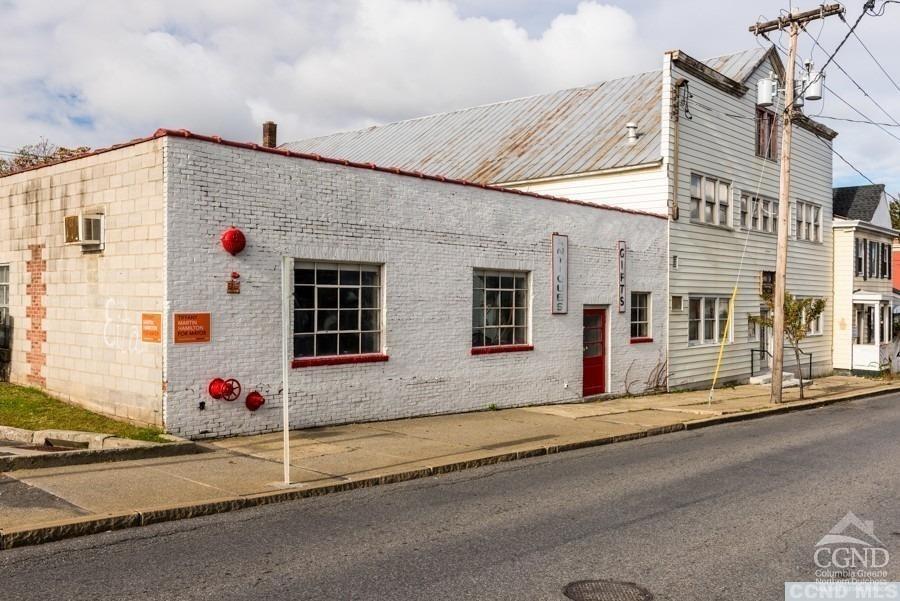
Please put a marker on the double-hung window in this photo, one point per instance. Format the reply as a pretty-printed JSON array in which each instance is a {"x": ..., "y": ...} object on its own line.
[
  {"x": 337, "y": 309},
  {"x": 859, "y": 257},
  {"x": 499, "y": 308},
  {"x": 809, "y": 222},
  {"x": 640, "y": 316},
  {"x": 710, "y": 200},
  {"x": 763, "y": 214},
  {"x": 4, "y": 292},
  {"x": 815, "y": 326},
  {"x": 708, "y": 320}
]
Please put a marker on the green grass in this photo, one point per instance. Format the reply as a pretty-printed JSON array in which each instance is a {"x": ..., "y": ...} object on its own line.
[{"x": 31, "y": 409}]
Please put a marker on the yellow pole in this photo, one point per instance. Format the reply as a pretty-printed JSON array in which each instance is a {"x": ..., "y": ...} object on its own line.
[{"x": 722, "y": 343}]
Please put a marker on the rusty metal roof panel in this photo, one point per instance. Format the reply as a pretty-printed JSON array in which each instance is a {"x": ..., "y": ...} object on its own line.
[
  {"x": 740, "y": 65},
  {"x": 572, "y": 131}
]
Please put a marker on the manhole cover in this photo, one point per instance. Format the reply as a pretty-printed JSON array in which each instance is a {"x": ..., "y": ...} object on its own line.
[{"x": 605, "y": 590}]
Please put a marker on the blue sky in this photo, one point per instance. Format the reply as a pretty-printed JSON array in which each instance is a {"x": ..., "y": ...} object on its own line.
[{"x": 96, "y": 72}]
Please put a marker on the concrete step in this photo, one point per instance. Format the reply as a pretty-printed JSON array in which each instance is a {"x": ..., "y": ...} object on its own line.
[{"x": 766, "y": 377}]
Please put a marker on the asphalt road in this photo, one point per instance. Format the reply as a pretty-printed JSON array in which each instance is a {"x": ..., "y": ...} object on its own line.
[{"x": 729, "y": 512}]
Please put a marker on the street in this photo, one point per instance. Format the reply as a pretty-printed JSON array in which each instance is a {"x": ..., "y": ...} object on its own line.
[{"x": 729, "y": 512}]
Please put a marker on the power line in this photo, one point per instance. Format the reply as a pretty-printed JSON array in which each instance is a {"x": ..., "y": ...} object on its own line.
[
  {"x": 880, "y": 66},
  {"x": 856, "y": 83},
  {"x": 848, "y": 120},
  {"x": 831, "y": 57},
  {"x": 852, "y": 107}
]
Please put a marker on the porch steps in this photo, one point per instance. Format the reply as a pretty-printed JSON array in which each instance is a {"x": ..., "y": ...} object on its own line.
[{"x": 789, "y": 380}]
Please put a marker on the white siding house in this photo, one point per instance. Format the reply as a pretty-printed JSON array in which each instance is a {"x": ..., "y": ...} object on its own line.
[
  {"x": 683, "y": 142},
  {"x": 863, "y": 286}
]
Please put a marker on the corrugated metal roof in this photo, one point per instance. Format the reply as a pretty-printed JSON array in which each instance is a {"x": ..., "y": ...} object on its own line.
[
  {"x": 578, "y": 130},
  {"x": 740, "y": 65}
]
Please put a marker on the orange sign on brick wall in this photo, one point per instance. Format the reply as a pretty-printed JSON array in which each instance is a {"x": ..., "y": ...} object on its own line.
[
  {"x": 151, "y": 327},
  {"x": 192, "y": 327}
]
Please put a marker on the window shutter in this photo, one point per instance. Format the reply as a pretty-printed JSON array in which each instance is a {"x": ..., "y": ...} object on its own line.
[
  {"x": 855, "y": 256},
  {"x": 890, "y": 262},
  {"x": 865, "y": 249},
  {"x": 793, "y": 220}
]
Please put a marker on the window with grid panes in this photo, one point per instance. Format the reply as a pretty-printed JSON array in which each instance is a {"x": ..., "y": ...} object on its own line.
[
  {"x": 640, "y": 315},
  {"x": 337, "y": 309},
  {"x": 708, "y": 320},
  {"x": 499, "y": 308}
]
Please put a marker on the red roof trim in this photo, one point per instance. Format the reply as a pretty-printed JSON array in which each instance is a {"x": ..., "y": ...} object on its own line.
[{"x": 183, "y": 133}]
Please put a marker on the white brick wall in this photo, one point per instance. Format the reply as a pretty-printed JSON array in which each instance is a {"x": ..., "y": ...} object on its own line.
[{"x": 429, "y": 236}]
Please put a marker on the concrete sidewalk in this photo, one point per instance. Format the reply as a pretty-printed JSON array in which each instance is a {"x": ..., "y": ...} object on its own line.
[{"x": 48, "y": 504}]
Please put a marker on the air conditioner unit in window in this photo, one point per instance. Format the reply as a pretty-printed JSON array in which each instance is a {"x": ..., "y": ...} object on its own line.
[{"x": 86, "y": 230}]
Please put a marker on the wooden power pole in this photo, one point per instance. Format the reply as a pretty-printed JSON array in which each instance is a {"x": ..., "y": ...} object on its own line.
[{"x": 792, "y": 23}]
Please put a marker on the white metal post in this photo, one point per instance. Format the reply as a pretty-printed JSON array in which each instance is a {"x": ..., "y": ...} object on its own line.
[{"x": 286, "y": 307}]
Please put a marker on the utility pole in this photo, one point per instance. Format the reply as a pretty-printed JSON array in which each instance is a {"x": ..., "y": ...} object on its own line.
[{"x": 792, "y": 23}]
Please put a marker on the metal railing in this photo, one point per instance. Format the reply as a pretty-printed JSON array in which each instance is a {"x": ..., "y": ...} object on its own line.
[{"x": 764, "y": 352}]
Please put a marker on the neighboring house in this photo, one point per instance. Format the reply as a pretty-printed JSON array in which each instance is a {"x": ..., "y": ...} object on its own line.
[
  {"x": 409, "y": 295},
  {"x": 863, "y": 280},
  {"x": 687, "y": 142}
]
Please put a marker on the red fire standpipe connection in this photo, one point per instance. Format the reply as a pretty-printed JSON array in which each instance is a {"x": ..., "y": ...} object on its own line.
[
  {"x": 226, "y": 390},
  {"x": 254, "y": 401}
]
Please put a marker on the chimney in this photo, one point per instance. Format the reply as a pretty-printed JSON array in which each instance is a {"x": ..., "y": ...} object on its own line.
[{"x": 270, "y": 129}]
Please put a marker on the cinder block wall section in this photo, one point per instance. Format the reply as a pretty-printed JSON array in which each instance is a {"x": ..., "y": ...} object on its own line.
[
  {"x": 76, "y": 313},
  {"x": 428, "y": 236}
]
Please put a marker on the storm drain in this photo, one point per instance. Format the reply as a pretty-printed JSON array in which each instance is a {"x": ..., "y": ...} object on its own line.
[{"x": 605, "y": 590}]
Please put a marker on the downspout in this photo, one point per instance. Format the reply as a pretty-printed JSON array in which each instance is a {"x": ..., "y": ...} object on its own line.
[{"x": 673, "y": 214}]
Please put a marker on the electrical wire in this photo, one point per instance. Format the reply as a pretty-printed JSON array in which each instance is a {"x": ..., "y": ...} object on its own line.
[
  {"x": 880, "y": 66},
  {"x": 830, "y": 57},
  {"x": 848, "y": 120},
  {"x": 851, "y": 106},
  {"x": 856, "y": 83}
]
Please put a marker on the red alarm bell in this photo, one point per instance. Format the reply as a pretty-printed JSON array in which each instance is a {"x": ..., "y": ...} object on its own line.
[
  {"x": 233, "y": 240},
  {"x": 227, "y": 390},
  {"x": 254, "y": 401}
]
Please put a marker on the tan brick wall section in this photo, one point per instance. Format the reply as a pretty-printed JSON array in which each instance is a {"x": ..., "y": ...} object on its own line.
[{"x": 77, "y": 314}]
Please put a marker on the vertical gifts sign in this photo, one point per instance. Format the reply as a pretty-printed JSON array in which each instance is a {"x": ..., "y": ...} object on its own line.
[{"x": 559, "y": 245}]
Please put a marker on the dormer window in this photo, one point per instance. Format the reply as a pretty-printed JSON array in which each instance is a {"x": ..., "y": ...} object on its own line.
[{"x": 766, "y": 134}]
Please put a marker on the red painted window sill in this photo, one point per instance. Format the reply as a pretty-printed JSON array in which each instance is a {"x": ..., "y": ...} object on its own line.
[
  {"x": 640, "y": 340},
  {"x": 503, "y": 348},
  {"x": 339, "y": 360}
]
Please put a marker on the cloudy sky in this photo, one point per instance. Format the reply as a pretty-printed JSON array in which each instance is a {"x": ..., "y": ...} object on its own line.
[{"x": 97, "y": 72}]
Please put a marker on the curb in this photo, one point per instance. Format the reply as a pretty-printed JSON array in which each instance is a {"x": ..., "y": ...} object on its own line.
[
  {"x": 74, "y": 527},
  {"x": 66, "y": 458}
]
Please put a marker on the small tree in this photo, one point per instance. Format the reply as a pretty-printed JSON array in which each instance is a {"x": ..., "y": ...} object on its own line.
[
  {"x": 799, "y": 314},
  {"x": 895, "y": 213},
  {"x": 41, "y": 153}
]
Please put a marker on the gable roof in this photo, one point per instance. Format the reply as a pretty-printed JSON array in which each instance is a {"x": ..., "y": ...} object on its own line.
[
  {"x": 857, "y": 202},
  {"x": 579, "y": 130}
]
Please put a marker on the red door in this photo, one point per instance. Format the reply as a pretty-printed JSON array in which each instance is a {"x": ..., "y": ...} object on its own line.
[{"x": 594, "y": 351}]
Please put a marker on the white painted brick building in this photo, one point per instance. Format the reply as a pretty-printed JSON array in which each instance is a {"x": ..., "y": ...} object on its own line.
[{"x": 167, "y": 200}]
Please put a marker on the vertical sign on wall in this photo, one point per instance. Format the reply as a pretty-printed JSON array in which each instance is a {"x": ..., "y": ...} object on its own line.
[
  {"x": 560, "y": 273},
  {"x": 621, "y": 260}
]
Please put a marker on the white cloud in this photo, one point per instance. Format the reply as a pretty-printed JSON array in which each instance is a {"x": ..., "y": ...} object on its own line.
[
  {"x": 97, "y": 72},
  {"x": 223, "y": 67}
]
